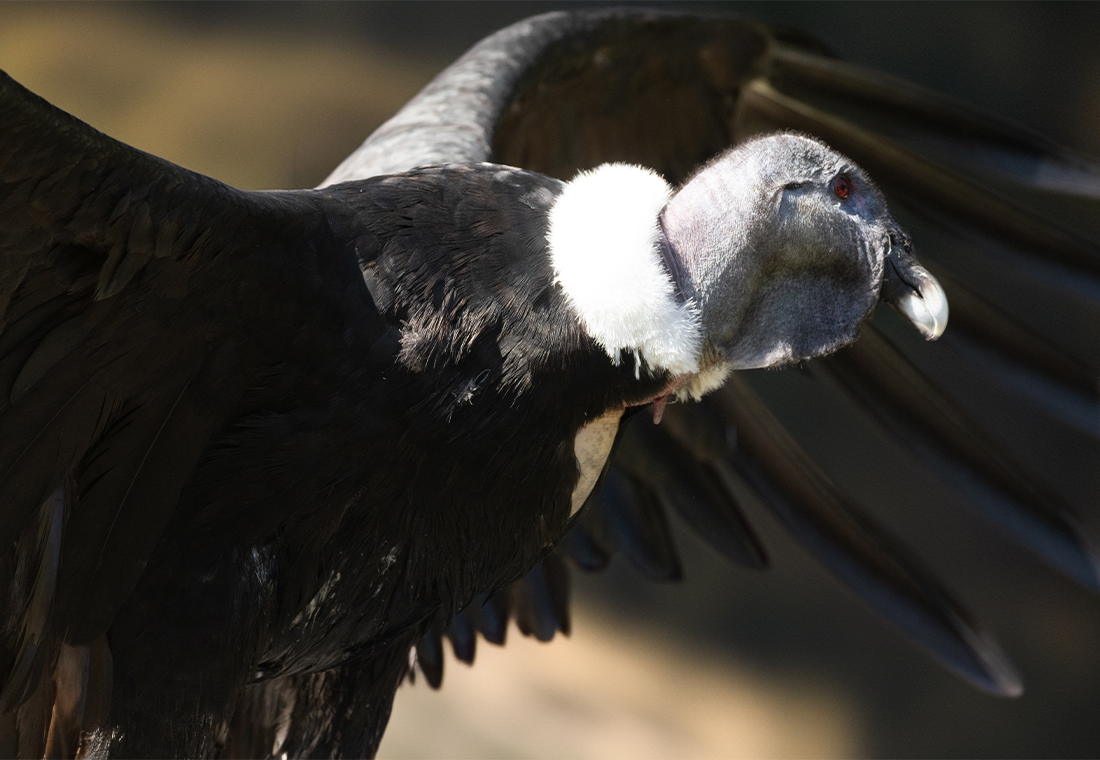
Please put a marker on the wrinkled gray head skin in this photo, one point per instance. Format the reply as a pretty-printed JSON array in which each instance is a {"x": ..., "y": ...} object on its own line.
[{"x": 781, "y": 266}]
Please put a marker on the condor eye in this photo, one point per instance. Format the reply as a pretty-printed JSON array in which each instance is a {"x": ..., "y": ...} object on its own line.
[{"x": 841, "y": 187}]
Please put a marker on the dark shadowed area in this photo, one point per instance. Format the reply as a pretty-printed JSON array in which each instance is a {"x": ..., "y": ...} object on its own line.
[{"x": 781, "y": 663}]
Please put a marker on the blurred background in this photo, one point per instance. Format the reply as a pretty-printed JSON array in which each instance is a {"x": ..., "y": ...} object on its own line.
[{"x": 730, "y": 663}]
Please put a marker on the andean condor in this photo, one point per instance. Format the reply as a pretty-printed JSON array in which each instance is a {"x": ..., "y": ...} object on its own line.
[{"x": 255, "y": 446}]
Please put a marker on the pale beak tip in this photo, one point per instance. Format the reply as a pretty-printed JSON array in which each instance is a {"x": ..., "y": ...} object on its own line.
[
  {"x": 924, "y": 306},
  {"x": 935, "y": 301}
]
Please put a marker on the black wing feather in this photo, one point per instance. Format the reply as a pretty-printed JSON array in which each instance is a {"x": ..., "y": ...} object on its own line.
[
  {"x": 690, "y": 488},
  {"x": 143, "y": 308}
]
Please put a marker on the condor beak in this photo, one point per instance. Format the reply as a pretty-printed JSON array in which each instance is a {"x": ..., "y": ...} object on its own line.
[{"x": 909, "y": 288}]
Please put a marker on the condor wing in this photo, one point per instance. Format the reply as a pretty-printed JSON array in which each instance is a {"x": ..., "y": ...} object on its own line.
[{"x": 140, "y": 306}]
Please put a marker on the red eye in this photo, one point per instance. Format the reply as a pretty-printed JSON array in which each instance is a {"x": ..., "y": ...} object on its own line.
[{"x": 841, "y": 186}]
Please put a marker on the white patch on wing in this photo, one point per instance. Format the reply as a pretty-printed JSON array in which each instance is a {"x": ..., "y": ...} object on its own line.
[
  {"x": 591, "y": 447},
  {"x": 604, "y": 248}
]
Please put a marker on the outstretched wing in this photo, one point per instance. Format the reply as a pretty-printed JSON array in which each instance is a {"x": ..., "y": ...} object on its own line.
[
  {"x": 140, "y": 306},
  {"x": 1003, "y": 408}
]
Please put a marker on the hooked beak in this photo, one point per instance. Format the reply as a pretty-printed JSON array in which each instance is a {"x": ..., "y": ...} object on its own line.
[{"x": 909, "y": 288}]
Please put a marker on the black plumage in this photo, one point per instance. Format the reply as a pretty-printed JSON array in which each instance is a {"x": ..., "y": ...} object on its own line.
[
  {"x": 181, "y": 383},
  {"x": 186, "y": 409}
]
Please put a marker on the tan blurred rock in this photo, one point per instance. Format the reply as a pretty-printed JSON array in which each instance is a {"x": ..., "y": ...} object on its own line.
[
  {"x": 610, "y": 692},
  {"x": 254, "y": 107}
]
